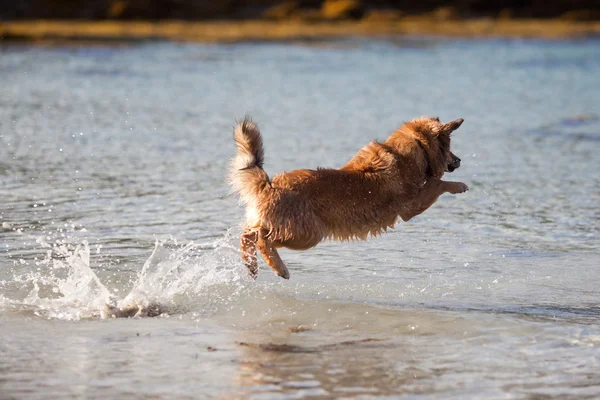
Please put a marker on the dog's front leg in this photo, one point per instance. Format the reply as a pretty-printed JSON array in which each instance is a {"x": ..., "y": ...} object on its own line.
[
  {"x": 428, "y": 195},
  {"x": 248, "y": 250},
  {"x": 269, "y": 252}
]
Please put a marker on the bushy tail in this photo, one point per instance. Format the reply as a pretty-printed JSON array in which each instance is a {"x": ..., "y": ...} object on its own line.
[{"x": 246, "y": 174}]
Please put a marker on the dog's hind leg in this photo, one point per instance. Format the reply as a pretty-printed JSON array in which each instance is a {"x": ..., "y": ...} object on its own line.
[
  {"x": 269, "y": 252},
  {"x": 248, "y": 250}
]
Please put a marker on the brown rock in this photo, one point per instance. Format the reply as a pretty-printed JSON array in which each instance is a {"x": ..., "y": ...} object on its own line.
[
  {"x": 342, "y": 9},
  {"x": 506, "y": 13},
  {"x": 116, "y": 8}
]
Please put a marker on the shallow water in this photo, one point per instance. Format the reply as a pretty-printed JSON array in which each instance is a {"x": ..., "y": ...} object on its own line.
[{"x": 112, "y": 168}]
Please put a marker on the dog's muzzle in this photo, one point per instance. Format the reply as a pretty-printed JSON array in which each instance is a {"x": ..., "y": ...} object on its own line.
[{"x": 454, "y": 163}]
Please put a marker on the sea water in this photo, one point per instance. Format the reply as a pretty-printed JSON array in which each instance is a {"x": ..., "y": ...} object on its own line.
[{"x": 112, "y": 170}]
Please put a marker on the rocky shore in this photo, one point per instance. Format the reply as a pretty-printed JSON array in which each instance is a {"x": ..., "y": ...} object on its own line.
[
  {"x": 295, "y": 9},
  {"x": 263, "y": 20}
]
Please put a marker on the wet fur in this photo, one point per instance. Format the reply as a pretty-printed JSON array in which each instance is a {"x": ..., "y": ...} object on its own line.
[{"x": 400, "y": 177}]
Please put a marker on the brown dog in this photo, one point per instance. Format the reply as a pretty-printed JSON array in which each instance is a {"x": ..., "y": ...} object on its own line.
[{"x": 400, "y": 177}]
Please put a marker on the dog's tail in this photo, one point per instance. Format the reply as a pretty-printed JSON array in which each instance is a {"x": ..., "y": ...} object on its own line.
[{"x": 246, "y": 174}]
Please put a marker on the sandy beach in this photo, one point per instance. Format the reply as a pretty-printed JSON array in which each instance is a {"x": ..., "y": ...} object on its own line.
[{"x": 259, "y": 30}]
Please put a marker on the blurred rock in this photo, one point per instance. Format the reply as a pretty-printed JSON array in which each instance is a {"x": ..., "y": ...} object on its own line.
[
  {"x": 333, "y": 10},
  {"x": 282, "y": 11},
  {"x": 581, "y": 15},
  {"x": 342, "y": 9},
  {"x": 506, "y": 13},
  {"x": 445, "y": 14},
  {"x": 117, "y": 8},
  {"x": 383, "y": 16},
  {"x": 171, "y": 9}
]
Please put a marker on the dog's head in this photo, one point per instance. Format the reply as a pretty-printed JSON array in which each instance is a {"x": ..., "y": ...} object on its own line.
[
  {"x": 453, "y": 163},
  {"x": 435, "y": 137},
  {"x": 444, "y": 133}
]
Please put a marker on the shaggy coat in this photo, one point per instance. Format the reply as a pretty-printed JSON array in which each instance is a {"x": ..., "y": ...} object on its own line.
[{"x": 400, "y": 177}]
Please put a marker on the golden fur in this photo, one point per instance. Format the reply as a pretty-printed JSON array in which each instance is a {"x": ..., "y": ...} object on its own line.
[{"x": 400, "y": 177}]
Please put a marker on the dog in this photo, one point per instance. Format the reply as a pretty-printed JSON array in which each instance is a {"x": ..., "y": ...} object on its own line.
[{"x": 400, "y": 177}]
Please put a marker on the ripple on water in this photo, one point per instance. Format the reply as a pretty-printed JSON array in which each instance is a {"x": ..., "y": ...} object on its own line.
[{"x": 108, "y": 152}]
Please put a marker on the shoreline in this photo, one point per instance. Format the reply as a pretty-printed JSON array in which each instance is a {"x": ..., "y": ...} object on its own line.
[{"x": 231, "y": 31}]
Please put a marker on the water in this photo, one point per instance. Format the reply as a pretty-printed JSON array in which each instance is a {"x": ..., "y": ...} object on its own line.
[{"x": 112, "y": 169}]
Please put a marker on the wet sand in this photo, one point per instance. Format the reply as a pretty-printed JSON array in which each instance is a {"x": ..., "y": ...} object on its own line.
[{"x": 238, "y": 31}]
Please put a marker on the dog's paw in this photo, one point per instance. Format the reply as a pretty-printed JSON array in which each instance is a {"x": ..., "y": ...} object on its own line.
[
  {"x": 457, "y": 187},
  {"x": 284, "y": 274}
]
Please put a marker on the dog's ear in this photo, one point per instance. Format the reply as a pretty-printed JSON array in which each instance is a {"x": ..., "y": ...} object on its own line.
[{"x": 452, "y": 125}]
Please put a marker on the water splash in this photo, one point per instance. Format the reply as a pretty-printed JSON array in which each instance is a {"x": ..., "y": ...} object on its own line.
[
  {"x": 63, "y": 286},
  {"x": 179, "y": 278},
  {"x": 174, "y": 279}
]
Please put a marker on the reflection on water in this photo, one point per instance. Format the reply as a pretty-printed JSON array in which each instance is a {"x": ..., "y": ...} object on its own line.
[
  {"x": 112, "y": 169},
  {"x": 420, "y": 358}
]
